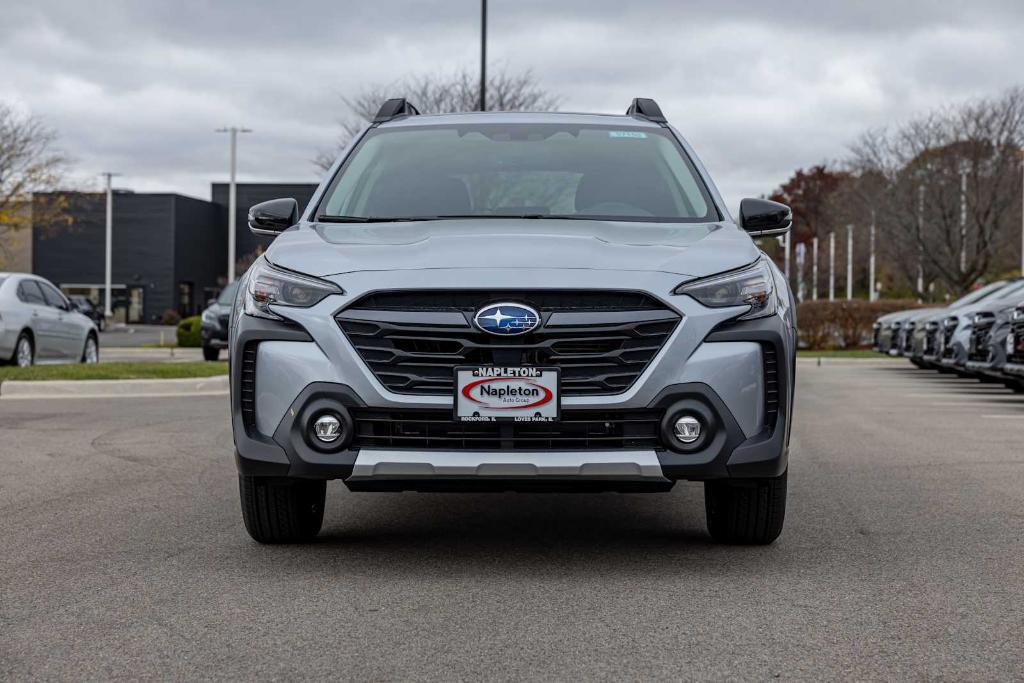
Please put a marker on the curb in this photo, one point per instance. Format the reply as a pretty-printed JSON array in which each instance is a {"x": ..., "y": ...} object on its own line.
[
  {"x": 115, "y": 388},
  {"x": 835, "y": 360}
]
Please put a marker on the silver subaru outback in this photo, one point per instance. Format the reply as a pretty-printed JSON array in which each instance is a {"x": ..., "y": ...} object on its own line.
[{"x": 509, "y": 302}]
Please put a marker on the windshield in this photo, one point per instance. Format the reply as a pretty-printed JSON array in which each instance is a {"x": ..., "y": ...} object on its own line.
[
  {"x": 227, "y": 294},
  {"x": 520, "y": 170},
  {"x": 979, "y": 294},
  {"x": 1013, "y": 289}
]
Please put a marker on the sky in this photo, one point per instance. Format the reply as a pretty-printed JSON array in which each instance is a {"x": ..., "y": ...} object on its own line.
[{"x": 759, "y": 88}]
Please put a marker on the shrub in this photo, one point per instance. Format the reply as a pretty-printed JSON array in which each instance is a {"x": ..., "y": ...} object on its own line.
[
  {"x": 188, "y": 332},
  {"x": 170, "y": 317},
  {"x": 843, "y": 324}
]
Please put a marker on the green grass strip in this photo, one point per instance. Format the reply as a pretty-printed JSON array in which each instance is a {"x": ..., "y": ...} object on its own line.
[{"x": 115, "y": 371}]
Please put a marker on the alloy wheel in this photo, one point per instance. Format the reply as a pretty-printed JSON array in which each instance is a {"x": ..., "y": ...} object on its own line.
[
  {"x": 92, "y": 352},
  {"x": 24, "y": 355}
]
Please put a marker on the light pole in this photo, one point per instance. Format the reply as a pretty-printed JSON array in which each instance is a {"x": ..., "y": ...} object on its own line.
[
  {"x": 801, "y": 258},
  {"x": 963, "y": 218},
  {"x": 873, "y": 293},
  {"x": 483, "y": 55},
  {"x": 814, "y": 268},
  {"x": 232, "y": 199},
  {"x": 785, "y": 245},
  {"x": 1022, "y": 212},
  {"x": 109, "y": 248},
  {"x": 831, "y": 266},
  {"x": 849, "y": 262},
  {"x": 920, "y": 241}
]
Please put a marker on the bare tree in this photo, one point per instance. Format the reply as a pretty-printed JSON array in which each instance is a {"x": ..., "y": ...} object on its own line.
[
  {"x": 440, "y": 94},
  {"x": 947, "y": 202},
  {"x": 29, "y": 165}
]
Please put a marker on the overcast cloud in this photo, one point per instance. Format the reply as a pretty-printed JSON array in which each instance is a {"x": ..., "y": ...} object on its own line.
[{"x": 759, "y": 88}]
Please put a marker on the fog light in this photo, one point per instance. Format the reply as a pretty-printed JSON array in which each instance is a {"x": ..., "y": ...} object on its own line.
[
  {"x": 687, "y": 429},
  {"x": 327, "y": 428}
]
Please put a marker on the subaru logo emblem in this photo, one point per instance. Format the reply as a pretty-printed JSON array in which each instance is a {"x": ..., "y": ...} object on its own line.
[{"x": 507, "y": 319}]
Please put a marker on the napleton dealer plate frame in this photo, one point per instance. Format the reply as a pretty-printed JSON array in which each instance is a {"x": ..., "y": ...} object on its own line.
[{"x": 544, "y": 378}]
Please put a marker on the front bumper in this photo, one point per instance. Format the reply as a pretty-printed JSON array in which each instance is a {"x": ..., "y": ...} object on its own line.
[
  {"x": 214, "y": 336},
  {"x": 1014, "y": 369},
  {"x": 708, "y": 364}
]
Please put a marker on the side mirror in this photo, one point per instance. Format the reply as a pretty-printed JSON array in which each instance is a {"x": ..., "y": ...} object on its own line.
[
  {"x": 273, "y": 217},
  {"x": 764, "y": 218}
]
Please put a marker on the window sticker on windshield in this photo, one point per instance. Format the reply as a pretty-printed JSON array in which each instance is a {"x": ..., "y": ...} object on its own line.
[{"x": 626, "y": 134}]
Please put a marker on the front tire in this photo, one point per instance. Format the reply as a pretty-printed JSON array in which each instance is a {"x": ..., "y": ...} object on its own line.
[
  {"x": 91, "y": 352},
  {"x": 746, "y": 512},
  {"x": 1016, "y": 386},
  {"x": 24, "y": 351},
  {"x": 210, "y": 353},
  {"x": 282, "y": 510}
]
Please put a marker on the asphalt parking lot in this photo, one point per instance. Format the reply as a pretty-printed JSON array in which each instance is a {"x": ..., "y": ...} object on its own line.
[{"x": 903, "y": 556}]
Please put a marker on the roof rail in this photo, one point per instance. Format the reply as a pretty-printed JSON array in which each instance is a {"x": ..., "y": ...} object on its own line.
[
  {"x": 394, "y": 108},
  {"x": 646, "y": 108}
]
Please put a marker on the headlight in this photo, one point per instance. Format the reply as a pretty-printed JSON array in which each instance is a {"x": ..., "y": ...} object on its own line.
[
  {"x": 210, "y": 317},
  {"x": 951, "y": 321},
  {"x": 982, "y": 318},
  {"x": 268, "y": 285},
  {"x": 751, "y": 286}
]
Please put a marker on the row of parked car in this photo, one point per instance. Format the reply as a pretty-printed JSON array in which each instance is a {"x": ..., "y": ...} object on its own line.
[{"x": 980, "y": 334}]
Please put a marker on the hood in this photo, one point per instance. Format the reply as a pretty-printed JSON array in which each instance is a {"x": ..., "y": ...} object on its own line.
[
  {"x": 218, "y": 308},
  {"x": 895, "y": 315},
  {"x": 686, "y": 249},
  {"x": 913, "y": 314},
  {"x": 992, "y": 305}
]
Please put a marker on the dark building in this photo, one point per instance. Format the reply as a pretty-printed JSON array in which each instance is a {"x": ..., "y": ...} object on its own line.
[{"x": 169, "y": 251}]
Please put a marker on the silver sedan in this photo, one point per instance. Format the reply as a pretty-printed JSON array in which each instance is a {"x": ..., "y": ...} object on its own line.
[{"x": 39, "y": 325}]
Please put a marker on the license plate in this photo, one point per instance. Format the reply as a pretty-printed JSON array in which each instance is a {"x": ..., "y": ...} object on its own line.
[{"x": 488, "y": 394}]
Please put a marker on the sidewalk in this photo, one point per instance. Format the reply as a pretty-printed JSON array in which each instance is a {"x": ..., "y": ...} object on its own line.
[
  {"x": 140, "y": 355},
  {"x": 137, "y": 335}
]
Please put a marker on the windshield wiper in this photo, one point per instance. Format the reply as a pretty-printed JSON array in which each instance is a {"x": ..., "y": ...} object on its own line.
[
  {"x": 500, "y": 215},
  {"x": 327, "y": 218}
]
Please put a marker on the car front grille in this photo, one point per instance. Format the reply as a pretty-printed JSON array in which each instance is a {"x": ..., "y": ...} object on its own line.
[
  {"x": 576, "y": 430},
  {"x": 931, "y": 339},
  {"x": 601, "y": 340},
  {"x": 979, "y": 344},
  {"x": 947, "y": 340},
  {"x": 894, "y": 339},
  {"x": 907, "y": 338},
  {"x": 1018, "y": 346}
]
